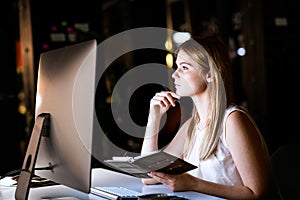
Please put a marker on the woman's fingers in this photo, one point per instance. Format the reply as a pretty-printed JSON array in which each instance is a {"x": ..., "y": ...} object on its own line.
[{"x": 165, "y": 99}]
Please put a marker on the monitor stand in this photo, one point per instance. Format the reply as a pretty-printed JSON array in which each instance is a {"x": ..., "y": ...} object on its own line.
[{"x": 40, "y": 128}]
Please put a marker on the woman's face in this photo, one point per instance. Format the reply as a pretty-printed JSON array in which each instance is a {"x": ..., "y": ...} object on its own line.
[{"x": 188, "y": 80}]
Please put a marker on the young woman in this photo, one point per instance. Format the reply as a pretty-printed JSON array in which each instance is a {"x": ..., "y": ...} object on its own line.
[{"x": 220, "y": 138}]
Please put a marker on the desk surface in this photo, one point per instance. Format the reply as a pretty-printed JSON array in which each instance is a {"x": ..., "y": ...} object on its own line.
[{"x": 100, "y": 177}]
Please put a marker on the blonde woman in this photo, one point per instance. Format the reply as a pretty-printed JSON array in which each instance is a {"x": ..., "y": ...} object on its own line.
[{"x": 220, "y": 138}]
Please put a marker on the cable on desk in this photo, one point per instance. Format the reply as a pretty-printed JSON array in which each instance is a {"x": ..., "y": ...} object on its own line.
[{"x": 18, "y": 171}]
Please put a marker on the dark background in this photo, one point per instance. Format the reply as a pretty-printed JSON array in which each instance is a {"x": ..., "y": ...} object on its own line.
[{"x": 266, "y": 78}]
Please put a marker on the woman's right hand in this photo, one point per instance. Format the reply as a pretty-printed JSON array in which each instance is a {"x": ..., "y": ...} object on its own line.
[{"x": 161, "y": 102}]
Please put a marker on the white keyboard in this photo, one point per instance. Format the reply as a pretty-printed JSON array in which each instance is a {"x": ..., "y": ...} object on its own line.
[{"x": 116, "y": 193}]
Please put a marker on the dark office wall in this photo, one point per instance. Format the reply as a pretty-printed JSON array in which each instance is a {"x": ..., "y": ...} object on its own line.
[
  {"x": 9, "y": 123},
  {"x": 282, "y": 42},
  {"x": 63, "y": 15}
]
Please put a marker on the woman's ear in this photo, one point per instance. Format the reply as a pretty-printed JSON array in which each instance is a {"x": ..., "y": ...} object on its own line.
[{"x": 208, "y": 77}]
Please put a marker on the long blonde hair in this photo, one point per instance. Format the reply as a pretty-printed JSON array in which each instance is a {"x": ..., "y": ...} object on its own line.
[{"x": 211, "y": 55}]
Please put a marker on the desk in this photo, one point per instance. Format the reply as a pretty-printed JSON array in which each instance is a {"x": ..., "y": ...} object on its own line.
[{"x": 100, "y": 177}]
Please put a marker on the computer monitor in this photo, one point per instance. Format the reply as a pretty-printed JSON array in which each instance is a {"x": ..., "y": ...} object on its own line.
[{"x": 61, "y": 139}]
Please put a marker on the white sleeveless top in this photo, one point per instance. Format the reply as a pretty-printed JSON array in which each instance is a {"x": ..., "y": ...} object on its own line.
[{"x": 219, "y": 167}]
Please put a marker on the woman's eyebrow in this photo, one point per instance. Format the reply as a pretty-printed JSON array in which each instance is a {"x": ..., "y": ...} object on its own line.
[{"x": 183, "y": 63}]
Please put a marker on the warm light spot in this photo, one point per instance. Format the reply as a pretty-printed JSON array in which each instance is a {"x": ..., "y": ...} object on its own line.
[
  {"x": 22, "y": 109},
  {"x": 169, "y": 45},
  {"x": 169, "y": 60}
]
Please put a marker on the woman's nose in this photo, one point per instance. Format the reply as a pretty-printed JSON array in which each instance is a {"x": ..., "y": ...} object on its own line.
[{"x": 175, "y": 74}]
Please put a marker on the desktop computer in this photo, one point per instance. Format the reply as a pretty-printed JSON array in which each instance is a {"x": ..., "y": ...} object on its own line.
[{"x": 61, "y": 141}]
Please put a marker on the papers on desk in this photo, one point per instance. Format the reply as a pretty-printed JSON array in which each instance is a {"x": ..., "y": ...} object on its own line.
[
  {"x": 159, "y": 161},
  {"x": 8, "y": 181}
]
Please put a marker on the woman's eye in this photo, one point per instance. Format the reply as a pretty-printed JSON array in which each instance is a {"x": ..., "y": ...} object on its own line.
[{"x": 185, "y": 68}]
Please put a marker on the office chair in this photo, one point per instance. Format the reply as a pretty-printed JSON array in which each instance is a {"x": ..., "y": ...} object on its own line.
[{"x": 286, "y": 172}]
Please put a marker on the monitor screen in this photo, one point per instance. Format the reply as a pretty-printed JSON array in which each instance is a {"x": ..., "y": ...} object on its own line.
[{"x": 65, "y": 91}]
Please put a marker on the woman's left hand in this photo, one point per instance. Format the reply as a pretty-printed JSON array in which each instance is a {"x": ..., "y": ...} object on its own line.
[{"x": 179, "y": 182}]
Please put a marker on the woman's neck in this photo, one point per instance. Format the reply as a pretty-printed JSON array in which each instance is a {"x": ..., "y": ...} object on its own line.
[{"x": 201, "y": 103}]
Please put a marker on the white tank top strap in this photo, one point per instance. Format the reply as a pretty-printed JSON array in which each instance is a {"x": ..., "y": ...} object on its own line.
[{"x": 228, "y": 111}]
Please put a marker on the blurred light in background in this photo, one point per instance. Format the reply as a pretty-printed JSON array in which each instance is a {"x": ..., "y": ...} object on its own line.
[
  {"x": 181, "y": 37},
  {"x": 241, "y": 51},
  {"x": 169, "y": 60}
]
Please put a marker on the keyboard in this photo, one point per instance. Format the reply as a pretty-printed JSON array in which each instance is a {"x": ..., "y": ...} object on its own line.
[{"x": 115, "y": 193}]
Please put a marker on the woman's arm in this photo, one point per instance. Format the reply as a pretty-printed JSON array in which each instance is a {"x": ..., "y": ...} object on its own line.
[
  {"x": 250, "y": 155},
  {"x": 159, "y": 105},
  {"x": 187, "y": 182},
  {"x": 150, "y": 143},
  {"x": 175, "y": 147},
  {"x": 249, "y": 152}
]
